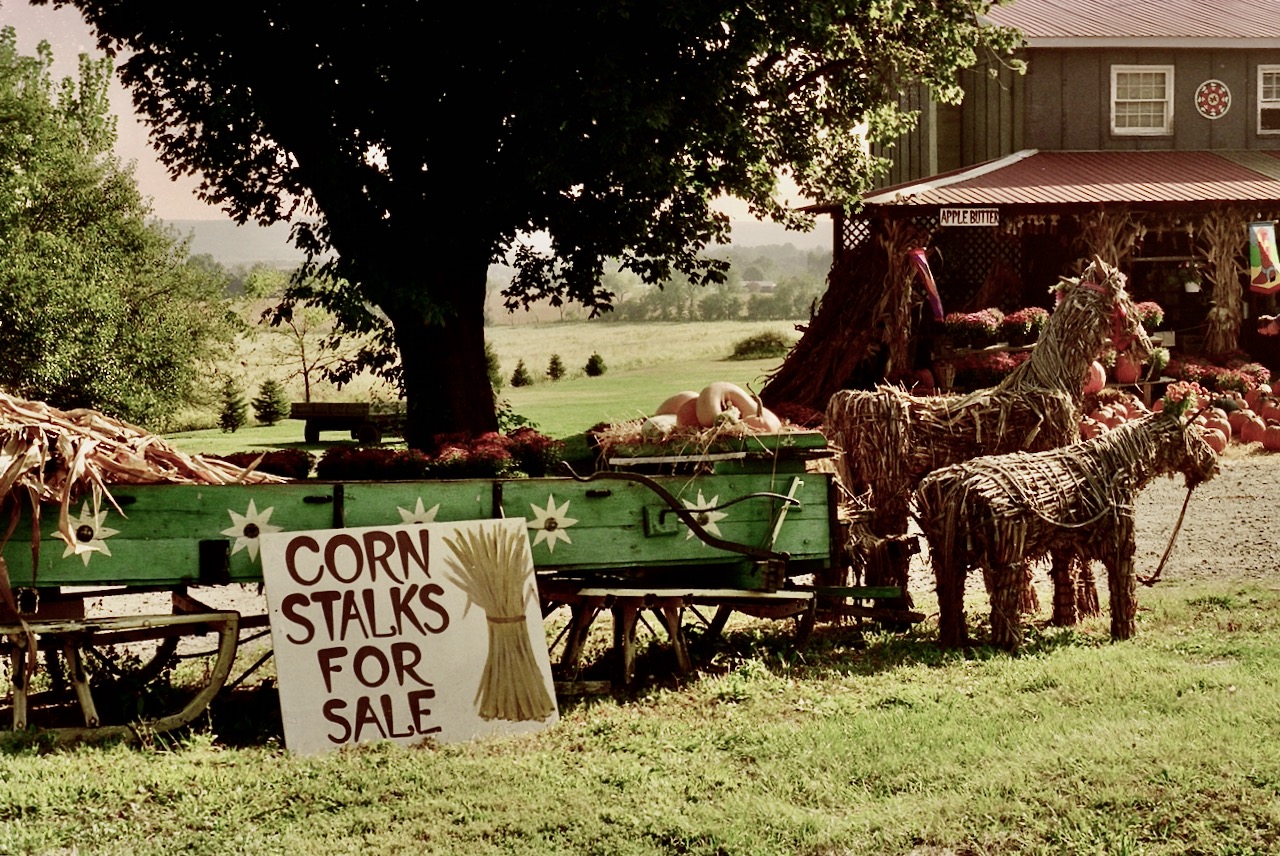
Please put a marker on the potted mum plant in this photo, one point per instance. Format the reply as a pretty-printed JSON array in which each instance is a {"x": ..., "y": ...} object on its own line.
[
  {"x": 973, "y": 329},
  {"x": 1150, "y": 314},
  {"x": 1023, "y": 327}
]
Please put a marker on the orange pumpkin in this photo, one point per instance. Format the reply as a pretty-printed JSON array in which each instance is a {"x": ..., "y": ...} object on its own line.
[
  {"x": 1236, "y": 420},
  {"x": 1271, "y": 437},
  {"x": 1215, "y": 438},
  {"x": 1215, "y": 418},
  {"x": 1253, "y": 429}
]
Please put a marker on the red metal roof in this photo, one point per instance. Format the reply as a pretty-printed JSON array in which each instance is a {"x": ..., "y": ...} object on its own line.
[
  {"x": 1040, "y": 179},
  {"x": 1112, "y": 20}
]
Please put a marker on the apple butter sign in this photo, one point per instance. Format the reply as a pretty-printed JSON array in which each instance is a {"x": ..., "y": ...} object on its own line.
[{"x": 407, "y": 633}]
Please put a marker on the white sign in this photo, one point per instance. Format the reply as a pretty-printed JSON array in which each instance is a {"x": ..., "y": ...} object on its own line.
[
  {"x": 968, "y": 216},
  {"x": 407, "y": 633}
]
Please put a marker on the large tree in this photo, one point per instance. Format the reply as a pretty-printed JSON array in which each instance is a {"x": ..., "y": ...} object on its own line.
[
  {"x": 427, "y": 140},
  {"x": 99, "y": 306}
]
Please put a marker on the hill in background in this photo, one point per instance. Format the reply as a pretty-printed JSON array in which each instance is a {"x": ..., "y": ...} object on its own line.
[{"x": 245, "y": 246}]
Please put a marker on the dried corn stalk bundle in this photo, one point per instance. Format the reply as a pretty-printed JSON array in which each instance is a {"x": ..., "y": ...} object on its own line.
[
  {"x": 1219, "y": 238},
  {"x": 1003, "y": 512},
  {"x": 891, "y": 439},
  {"x": 53, "y": 456},
  {"x": 493, "y": 567}
]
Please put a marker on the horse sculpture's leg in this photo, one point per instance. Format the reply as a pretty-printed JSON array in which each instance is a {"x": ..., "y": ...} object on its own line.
[
  {"x": 1064, "y": 589},
  {"x": 1122, "y": 582},
  {"x": 894, "y": 565},
  {"x": 1030, "y": 599},
  {"x": 1086, "y": 588},
  {"x": 1007, "y": 583},
  {"x": 949, "y": 573}
]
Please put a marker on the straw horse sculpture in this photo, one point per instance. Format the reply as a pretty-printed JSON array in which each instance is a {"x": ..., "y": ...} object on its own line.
[
  {"x": 891, "y": 440},
  {"x": 1003, "y": 512}
]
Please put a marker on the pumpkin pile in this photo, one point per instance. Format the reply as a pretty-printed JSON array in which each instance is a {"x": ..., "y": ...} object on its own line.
[
  {"x": 720, "y": 404},
  {"x": 1251, "y": 417}
]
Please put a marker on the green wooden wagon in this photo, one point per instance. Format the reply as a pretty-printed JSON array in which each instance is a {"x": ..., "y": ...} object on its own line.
[{"x": 745, "y": 525}]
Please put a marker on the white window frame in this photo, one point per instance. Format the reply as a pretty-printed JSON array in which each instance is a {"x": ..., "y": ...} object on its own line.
[
  {"x": 1163, "y": 130},
  {"x": 1268, "y": 101}
]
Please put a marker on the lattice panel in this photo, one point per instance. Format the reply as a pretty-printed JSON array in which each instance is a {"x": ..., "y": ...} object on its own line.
[
  {"x": 976, "y": 268},
  {"x": 854, "y": 231}
]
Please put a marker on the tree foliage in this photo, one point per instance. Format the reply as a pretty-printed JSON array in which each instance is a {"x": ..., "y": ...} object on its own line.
[
  {"x": 609, "y": 127},
  {"x": 235, "y": 411},
  {"x": 98, "y": 306}
]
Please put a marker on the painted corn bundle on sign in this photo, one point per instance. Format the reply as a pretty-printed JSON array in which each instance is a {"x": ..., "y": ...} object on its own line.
[{"x": 407, "y": 633}]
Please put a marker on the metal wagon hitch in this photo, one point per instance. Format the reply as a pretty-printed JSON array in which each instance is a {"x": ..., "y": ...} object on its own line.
[{"x": 689, "y": 516}]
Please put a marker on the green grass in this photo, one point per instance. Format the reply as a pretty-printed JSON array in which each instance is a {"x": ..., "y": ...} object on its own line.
[
  {"x": 646, "y": 364},
  {"x": 571, "y": 406},
  {"x": 1160, "y": 745}
]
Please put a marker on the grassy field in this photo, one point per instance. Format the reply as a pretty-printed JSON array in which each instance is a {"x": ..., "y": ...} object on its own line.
[
  {"x": 646, "y": 363},
  {"x": 875, "y": 745}
]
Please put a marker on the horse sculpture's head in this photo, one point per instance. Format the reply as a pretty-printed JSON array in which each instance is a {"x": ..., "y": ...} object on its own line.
[
  {"x": 1099, "y": 305},
  {"x": 1183, "y": 449}
]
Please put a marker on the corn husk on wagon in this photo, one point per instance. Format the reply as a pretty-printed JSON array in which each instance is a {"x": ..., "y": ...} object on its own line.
[{"x": 97, "y": 509}]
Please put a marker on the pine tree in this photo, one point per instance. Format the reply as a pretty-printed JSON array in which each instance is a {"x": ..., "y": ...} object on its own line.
[
  {"x": 521, "y": 377},
  {"x": 272, "y": 404},
  {"x": 595, "y": 366},
  {"x": 493, "y": 365},
  {"x": 234, "y": 410},
  {"x": 555, "y": 368}
]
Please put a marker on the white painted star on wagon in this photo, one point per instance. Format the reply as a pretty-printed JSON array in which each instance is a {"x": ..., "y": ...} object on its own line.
[
  {"x": 246, "y": 528},
  {"x": 418, "y": 515},
  {"x": 705, "y": 515},
  {"x": 88, "y": 534},
  {"x": 551, "y": 523}
]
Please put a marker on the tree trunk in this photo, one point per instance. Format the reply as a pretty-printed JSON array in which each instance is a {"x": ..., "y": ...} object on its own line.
[{"x": 446, "y": 379}]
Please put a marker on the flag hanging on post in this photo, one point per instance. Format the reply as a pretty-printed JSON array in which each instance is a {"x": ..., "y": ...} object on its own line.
[
  {"x": 918, "y": 258},
  {"x": 1264, "y": 275}
]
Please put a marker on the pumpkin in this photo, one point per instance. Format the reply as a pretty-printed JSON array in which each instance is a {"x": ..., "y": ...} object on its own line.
[
  {"x": 684, "y": 405},
  {"x": 1126, "y": 369},
  {"x": 1252, "y": 429},
  {"x": 1095, "y": 379},
  {"x": 1271, "y": 437},
  {"x": 1215, "y": 438},
  {"x": 1270, "y": 411},
  {"x": 1215, "y": 418},
  {"x": 722, "y": 398},
  {"x": 1236, "y": 420}
]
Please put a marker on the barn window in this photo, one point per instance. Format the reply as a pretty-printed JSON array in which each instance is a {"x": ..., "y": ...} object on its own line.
[
  {"x": 1269, "y": 99},
  {"x": 1141, "y": 100}
]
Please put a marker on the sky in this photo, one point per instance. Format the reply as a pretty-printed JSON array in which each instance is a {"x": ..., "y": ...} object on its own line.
[
  {"x": 175, "y": 199},
  {"x": 69, "y": 36}
]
